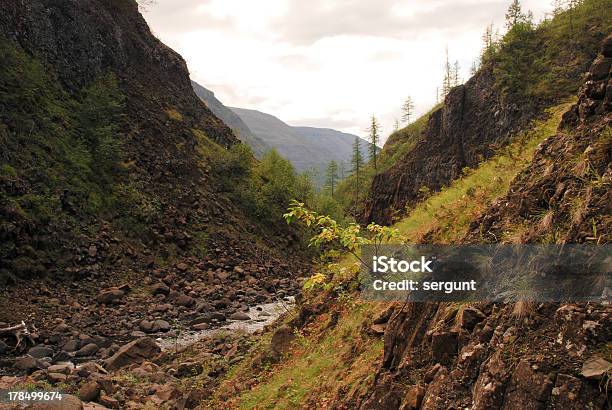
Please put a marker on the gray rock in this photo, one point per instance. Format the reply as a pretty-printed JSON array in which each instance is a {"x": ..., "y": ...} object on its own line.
[
  {"x": 240, "y": 316},
  {"x": 40, "y": 351},
  {"x": 88, "y": 350},
  {"x": 160, "y": 325},
  {"x": 29, "y": 364},
  {"x": 71, "y": 345}
]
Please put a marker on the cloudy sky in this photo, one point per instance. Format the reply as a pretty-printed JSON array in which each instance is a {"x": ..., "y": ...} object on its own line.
[{"x": 326, "y": 63}]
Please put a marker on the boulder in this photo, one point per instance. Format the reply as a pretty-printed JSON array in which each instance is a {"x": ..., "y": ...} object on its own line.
[
  {"x": 109, "y": 401},
  {"x": 68, "y": 402},
  {"x": 64, "y": 368},
  {"x": 89, "y": 391},
  {"x": 281, "y": 341},
  {"x": 110, "y": 296},
  {"x": 136, "y": 351},
  {"x": 88, "y": 350},
  {"x": 239, "y": 316},
  {"x": 57, "y": 377},
  {"x": 528, "y": 389},
  {"x": 160, "y": 288},
  {"x": 40, "y": 351},
  {"x": 414, "y": 398},
  {"x": 160, "y": 325},
  {"x": 189, "y": 369},
  {"x": 29, "y": 364},
  {"x": 443, "y": 346}
]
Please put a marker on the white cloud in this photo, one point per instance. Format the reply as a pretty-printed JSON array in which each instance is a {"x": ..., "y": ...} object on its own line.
[{"x": 340, "y": 60}]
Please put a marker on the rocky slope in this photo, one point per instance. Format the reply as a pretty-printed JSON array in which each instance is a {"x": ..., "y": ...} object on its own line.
[
  {"x": 111, "y": 222},
  {"x": 516, "y": 357},
  {"x": 478, "y": 117},
  {"x": 231, "y": 119}
]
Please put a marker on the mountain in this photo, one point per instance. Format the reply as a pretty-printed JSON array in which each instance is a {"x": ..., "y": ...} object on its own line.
[
  {"x": 110, "y": 163},
  {"x": 308, "y": 148},
  {"x": 231, "y": 119}
]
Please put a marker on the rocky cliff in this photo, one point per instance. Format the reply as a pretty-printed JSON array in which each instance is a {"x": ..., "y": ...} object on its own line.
[
  {"x": 523, "y": 355},
  {"x": 62, "y": 60},
  {"x": 484, "y": 114}
]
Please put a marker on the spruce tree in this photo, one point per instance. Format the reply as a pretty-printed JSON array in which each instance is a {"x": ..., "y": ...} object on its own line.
[
  {"x": 357, "y": 165},
  {"x": 374, "y": 132},
  {"x": 407, "y": 110},
  {"x": 331, "y": 177},
  {"x": 447, "y": 83}
]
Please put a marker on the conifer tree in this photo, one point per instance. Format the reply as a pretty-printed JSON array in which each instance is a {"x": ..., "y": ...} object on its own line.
[
  {"x": 455, "y": 73},
  {"x": 407, "y": 110},
  {"x": 357, "y": 165},
  {"x": 514, "y": 15},
  {"x": 374, "y": 132},
  {"x": 448, "y": 77},
  {"x": 331, "y": 177}
]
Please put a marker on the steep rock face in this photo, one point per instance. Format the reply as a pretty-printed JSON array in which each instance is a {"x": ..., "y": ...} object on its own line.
[
  {"x": 474, "y": 120},
  {"x": 167, "y": 198},
  {"x": 231, "y": 119},
  {"x": 519, "y": 356},
  {"x": 565, "y": 195}
]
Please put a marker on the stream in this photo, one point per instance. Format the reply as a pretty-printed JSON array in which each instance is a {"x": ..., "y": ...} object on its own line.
[{"x": 261, "y": 315}]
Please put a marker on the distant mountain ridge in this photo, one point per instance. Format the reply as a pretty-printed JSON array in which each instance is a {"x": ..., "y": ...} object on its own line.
[
  {"x": 308, "y": 148},
  {"x": 231, "y": 119}
]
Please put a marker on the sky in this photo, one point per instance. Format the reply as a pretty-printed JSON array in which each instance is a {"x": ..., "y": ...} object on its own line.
[{"x": 327, "y": 63}]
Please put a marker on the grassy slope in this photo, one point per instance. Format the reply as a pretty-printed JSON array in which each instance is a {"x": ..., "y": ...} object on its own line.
[{"x": 339, "y": 363}]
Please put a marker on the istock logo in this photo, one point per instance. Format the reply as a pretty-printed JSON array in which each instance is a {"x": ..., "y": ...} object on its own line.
[{"x": 384, "y": 264}]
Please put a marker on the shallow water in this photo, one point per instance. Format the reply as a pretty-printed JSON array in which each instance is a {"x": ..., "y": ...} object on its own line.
[{"x": 261, "y": 315}]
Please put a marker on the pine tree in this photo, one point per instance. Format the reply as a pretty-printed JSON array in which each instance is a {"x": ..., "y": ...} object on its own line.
[
  {"x": 374, "y": 132},
  {"x": 447, "y": 83},
  {"x": 488, "y": 44},
  {"x": 455, "y": 74},
  {"x": 514, "y": 15},
  {"x": 357, "y": 165},
  {"x": 396, "y": 125},
  {"x": 474, "y": 67},
  {"x": 407, "y": 110},
  {"x": 331, "y": 177}
]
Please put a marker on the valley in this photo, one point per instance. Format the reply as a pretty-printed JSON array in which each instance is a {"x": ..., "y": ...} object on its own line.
[{"x": 161, "y": 250}]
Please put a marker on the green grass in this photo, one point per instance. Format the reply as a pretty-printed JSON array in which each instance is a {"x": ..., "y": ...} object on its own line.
[
  {"x": 317, "y": 366},
  {"x": 448, "y": 213}
]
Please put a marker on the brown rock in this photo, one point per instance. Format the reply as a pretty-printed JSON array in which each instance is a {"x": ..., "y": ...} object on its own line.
[
  {"x": 600, "y": 68},
  {"x": 68, "y": 402},
  {"x": 136, "y": 351},
  {"x": 281, "y": 341},
  {"x": 414, "y": 398},
  {"x": 108, "y": 401},
  {"x": 89, "y": 391},
  {"x": 110, "y": 296},
  {"x": 443, "y": 346},
  {"x": 239, "y": 316},
  {"x": 527, "y": 389},
  {"x": 61, "y": 368},
  {"x": 56, "y": 377}
]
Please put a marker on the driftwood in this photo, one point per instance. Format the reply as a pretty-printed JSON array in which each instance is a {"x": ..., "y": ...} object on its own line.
[{"x": 20, "y": 332}]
